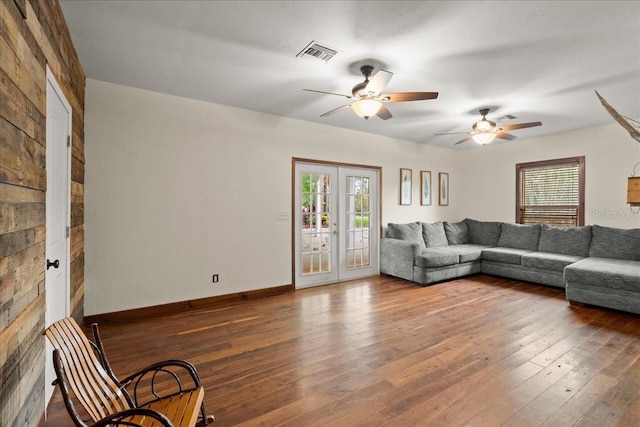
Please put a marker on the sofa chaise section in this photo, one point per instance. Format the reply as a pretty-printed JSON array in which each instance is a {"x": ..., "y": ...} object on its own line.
[{"x": 610, "y": 275}]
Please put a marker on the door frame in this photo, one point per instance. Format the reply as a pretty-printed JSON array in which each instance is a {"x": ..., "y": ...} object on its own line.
[
  {"x": 294, "y": 208},
  {"x": 53, "y": 83}
]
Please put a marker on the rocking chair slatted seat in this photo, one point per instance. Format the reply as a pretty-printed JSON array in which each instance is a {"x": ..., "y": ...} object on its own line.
[{"x": 84, "y": 376}]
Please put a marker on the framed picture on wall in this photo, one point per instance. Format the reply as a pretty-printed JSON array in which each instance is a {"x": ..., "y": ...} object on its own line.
[
  {"x": 405, "y": 186},
  {"x": 443, "y": 189},
  {"x": 425, "y": 188}
]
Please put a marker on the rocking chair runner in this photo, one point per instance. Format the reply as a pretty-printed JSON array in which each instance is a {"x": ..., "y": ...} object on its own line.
[{"x": 84, "y": 376}]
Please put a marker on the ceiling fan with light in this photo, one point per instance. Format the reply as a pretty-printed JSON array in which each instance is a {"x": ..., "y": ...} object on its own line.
[
  {"x": 485, "y": 130},
  {"x": 368, "y": 98}
]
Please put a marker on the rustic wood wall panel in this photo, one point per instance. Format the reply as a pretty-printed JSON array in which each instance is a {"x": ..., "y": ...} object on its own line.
[{"x": 33, "y": 34}]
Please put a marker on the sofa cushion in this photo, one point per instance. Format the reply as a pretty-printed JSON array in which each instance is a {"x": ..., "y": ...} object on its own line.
[
  {"x": 457, "y": 233},
  {"x": 519, "y": 236},
  {"x": 467, "y": 252},
  {"x": 436, "y": 257},
  {"x": 605, "y": 273},
  {"x": 548, "y": 261},
  {"x": 506, "y": 255},
  {"x": 434, "y": 235},
  {"x": 411, "y": 232},
  {"x": 617, "y": 243},
  {"x": 483, "y": 232},
  {"x": 565, "y": 240}
]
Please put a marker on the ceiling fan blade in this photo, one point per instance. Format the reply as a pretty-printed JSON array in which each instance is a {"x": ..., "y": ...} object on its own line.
[
  {"x": 504, "y": 135},
  {"x": 328, "y": 93},
  {"x": 519, "y": 126},
  {"x": 378, "y": 82},
  {"x": 335, "y": 110},
  {"x": 384, "y": 113},
  {"x": 409, "y": 96},
  {"x": 465, "y": 139}
]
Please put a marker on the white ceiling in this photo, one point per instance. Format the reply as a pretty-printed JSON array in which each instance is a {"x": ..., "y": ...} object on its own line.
[{"x": 536, "y": 60}]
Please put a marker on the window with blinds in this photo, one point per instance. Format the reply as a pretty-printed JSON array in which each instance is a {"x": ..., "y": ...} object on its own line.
[{"x": 550, "y": 192}]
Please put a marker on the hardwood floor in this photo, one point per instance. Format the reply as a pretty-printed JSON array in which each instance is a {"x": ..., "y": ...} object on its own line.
[{"x": 480, "y": 351}]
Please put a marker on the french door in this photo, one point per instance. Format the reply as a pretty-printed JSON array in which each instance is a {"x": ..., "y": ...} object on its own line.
[{"x": 336, "y": 223}]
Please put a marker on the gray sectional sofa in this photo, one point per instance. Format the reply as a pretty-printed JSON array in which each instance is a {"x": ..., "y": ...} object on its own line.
[{"x": 596, "y": 265}]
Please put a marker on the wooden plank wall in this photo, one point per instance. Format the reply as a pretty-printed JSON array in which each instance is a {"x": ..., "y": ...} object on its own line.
[{"x": 33, "y": 33}]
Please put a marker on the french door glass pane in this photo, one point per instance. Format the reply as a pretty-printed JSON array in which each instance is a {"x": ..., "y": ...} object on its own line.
[
  {"x": 315, "y": 233},
  {"x": 357, "y": 217}
]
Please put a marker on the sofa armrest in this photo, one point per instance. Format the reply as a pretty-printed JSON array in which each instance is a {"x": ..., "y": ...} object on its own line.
[{"x": 397, "y": 257}]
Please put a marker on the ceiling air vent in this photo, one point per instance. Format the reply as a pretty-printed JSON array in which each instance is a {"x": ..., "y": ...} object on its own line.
[{"x": 318, "y": 51}]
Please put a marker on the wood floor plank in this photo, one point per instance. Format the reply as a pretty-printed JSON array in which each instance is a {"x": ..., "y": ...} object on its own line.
[
  {"x": 478, "y": 351},
  {"x": 560, "y": 389},
  {"x": 631, "y": 414}
]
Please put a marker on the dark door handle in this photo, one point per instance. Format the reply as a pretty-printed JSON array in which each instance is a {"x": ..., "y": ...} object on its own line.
[{"x": 54, "y": 264}]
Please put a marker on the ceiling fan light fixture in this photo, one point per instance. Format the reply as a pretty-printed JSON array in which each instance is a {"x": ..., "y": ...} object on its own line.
[
  {"x": 366, "y": 107},
  {"x": 483, "y": 125},
  {"x": 485, "y": 131},
  {"x": 484, "y": 138}
]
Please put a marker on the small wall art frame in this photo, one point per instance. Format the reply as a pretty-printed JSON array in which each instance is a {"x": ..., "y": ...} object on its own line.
[
  {"x": 405, "y": 186},
  {"x": 425, "y": 188},
  {"x": 443, "y": 189}
]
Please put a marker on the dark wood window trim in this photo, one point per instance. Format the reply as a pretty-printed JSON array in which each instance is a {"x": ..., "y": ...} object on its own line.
[{"x": 579, "y": 161}]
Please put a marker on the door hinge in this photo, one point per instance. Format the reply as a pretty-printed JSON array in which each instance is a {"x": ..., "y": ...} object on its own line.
[
  {"x": 68, "y": 140},
  {"x": 67, "y": 231}
]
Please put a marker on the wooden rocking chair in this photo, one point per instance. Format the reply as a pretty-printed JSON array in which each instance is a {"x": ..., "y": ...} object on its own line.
[{"x": 84, "y": 376}]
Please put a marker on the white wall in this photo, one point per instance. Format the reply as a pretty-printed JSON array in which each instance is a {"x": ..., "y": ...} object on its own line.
[
  {"x": 178, "y": 189},
  {"x": 489, "y": 173}
]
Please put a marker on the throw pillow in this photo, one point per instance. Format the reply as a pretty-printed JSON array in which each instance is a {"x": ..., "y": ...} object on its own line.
[
  {"x": 483, "y": 232},
  {"x": 434, "y": 235},
  {"x": 457, "y": 233},
  {"x": 565, "y": 240},
  {"x": 411, "y": 232}
]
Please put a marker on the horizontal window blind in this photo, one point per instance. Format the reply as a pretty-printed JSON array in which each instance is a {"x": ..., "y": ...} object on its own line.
[{"x": 550, "y": 193}]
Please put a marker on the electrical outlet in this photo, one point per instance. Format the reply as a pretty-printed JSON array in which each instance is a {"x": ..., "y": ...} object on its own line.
[{"x": 215, "y": 278}]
